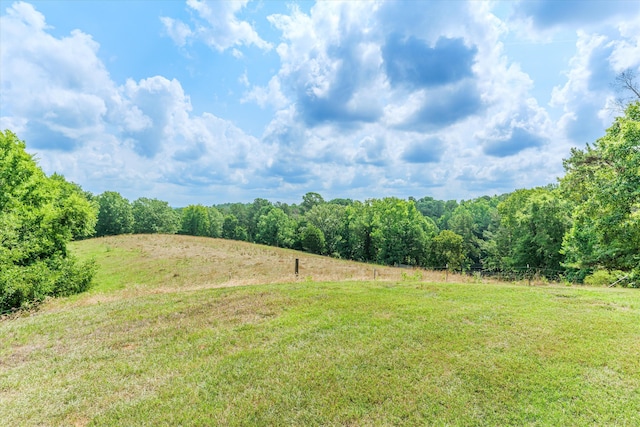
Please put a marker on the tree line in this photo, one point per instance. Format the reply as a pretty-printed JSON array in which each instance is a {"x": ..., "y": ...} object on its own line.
[
  {"x": 585, "y": 228},
  {"x": 523, "y": 228}
]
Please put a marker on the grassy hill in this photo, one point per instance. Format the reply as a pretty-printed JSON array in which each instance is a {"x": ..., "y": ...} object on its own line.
[{"x": 194, "y": 331}]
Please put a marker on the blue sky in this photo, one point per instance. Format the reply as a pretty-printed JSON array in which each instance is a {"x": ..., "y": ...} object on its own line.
[{"x": 211, "y": 102}]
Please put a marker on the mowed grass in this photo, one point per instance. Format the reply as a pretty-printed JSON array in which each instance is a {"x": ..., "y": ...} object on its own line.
[{"x": 166, "y": 338}]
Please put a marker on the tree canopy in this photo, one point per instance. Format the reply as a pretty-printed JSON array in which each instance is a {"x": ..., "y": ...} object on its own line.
[
  {"x": 154, "y": 216},
  {"x": 39, "y": 215},
  {"x": 115, "y": 215},
  {"x": 603, "y": 183}
]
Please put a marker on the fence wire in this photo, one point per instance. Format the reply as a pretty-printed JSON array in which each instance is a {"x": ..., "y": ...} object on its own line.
[{"x": 513, "y": 274}]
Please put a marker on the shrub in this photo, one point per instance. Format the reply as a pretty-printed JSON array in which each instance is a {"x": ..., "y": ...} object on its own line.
[
  {"x": 39, "y": 215},
  {"x": 603, "y": 277}
]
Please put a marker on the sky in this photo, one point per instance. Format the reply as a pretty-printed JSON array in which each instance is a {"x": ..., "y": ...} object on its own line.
[{"x": 217, "y": 101}]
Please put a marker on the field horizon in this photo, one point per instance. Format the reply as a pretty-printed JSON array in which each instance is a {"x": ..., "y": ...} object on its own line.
[{"x": 182, "y": 330}]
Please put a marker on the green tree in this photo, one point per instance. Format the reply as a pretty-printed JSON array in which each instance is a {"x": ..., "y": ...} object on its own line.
[
  {"x": 115, "y": 215},
  {"x": 329, "y": 218},
  {"x": 313, "y": 239},
  {"x": 532, "y": 225},
  {"x": 231, "y": 229},
  {"x": 359, "y": 226},
  {"x": 39, "y": 215},
  {"x": 389, "y": 231},
  {"x": 275, "y": 228},
  {"x": 154, "y": 216},
  {"x": 229, "y": 226},
  {"x": 195, "y": 221},
  {"x": 254, "y": 213},
  {"x": 449, "y": 207},
  {"x": 472, "y": 219},
  {"x": 70, "y": 191},
  {"x": 447, "y": 250},
  {"x": 238, "y": 213},
  {"x": 603, "y": 184},
  {"x": 216, "y": 221},
  {"x": 341, "y": 202},
  {"x": 430, "y": 207},
  {"x": 401, "y": 233},
  {"x": 310, "y": 200},
  {"x": 462, "y": 223}
]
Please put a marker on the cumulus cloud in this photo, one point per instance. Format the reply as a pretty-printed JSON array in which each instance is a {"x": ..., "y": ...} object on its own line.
[
  {"x": 162, "y": 105},
  {"x": 329, "y": 64},
  {"x": 372, "y": 151},
  {"x": 271, "y": 95},
  {"x": 56, "y": 86},
  {"x": 217, "y": 24},
  {"x": 626, "y": 52},
  {"x": 58, "y": 95},
  {"x": 338, "y": 65},
  {"x": 586, "y": 98},
  {"x": 368, "y": 99},
  {"x": 516, "y": 140},
  {"x": 513, "y": 128},
  {"x": 390, "y": 95},
  {"x": 443, "y": 107}
]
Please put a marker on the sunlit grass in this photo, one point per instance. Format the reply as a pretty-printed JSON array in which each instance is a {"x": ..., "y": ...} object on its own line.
[
  {"x": 169, "y": 262},
  {"x": 138, "y": 351}
]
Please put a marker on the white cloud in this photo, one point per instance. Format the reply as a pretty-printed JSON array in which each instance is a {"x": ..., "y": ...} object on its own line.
[
  {"x": 221, "y": 28},
  {"x": 342, "y": 102},
  {"x": 217, "y": 25},
  {"x": 553, "y": 15},
  {"x": 370, "y": 99},
  {"x": 270, "y": 95},
  {"x": 26, "y": 13},
  {"x": 139, "y": 138},
  {"x": 626, "y": 53},
  {"x": 587, "y": 96},
  {"x": 177, "y": 30},
  {"x": 50, "y": 84}
]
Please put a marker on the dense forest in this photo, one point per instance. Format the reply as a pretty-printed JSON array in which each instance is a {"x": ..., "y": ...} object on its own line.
[{"x": 584, "y": 229}]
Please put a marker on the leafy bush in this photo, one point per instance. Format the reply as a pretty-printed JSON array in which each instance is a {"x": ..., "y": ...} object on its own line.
[
  {"x": 603, "y": 277},
  {"x": 39, "y": 215},
  {"x": 73, "y": 277}
]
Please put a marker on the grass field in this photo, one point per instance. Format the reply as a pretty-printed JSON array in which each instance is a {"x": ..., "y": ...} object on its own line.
[{"x": 194, "y": 331}]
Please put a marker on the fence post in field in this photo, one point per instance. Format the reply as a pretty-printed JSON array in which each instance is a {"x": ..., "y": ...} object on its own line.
[{"x": 297, "y": 265}]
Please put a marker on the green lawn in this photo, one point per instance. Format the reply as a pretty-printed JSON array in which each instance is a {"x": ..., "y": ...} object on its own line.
[{"x": 328, "y": 353}]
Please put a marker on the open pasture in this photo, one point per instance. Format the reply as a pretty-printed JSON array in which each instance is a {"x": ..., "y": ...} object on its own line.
[{"x": 169, "y": 337}]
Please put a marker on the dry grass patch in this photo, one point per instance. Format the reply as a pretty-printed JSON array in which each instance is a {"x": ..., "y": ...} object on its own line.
[{"x": 169, "y": 263}]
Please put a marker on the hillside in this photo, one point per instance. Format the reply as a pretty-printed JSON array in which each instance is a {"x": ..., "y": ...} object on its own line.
[
  {"x": 168, "y": 336},
  {"x": 163, "y": 263}
]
